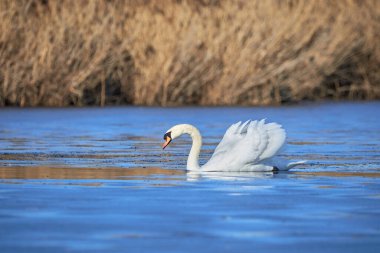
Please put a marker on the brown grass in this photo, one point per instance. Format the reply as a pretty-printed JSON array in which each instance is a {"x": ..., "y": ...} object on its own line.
[{"x": 207, "y": 52}]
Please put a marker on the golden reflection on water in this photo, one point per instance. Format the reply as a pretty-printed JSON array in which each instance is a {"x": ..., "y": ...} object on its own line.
[
  {"x": 338, "y": 174},
  {"x": 45, "y": 172},
  {"x": 83, "y": 173}
]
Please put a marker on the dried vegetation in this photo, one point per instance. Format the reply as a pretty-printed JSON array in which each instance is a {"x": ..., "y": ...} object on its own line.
[{"x": 207, "y": 52}]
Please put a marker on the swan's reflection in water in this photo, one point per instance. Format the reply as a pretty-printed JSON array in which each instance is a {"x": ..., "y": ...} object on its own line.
[{"x": 228, "y": 176}]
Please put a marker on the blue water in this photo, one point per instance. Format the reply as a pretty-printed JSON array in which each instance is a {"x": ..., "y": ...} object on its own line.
[{"x": 332, "y": 204}]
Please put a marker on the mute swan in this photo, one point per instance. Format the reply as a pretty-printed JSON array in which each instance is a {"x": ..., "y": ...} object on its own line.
[{"x": 249, "y": 146}]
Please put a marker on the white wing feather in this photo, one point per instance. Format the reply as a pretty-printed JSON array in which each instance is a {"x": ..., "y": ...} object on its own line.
[
  {"x": 276, "y": 139},
  {"x": 247, "y": 143}
]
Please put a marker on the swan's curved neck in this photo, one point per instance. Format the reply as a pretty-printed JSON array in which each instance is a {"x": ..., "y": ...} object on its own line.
[{"x": 193, "y": 159}]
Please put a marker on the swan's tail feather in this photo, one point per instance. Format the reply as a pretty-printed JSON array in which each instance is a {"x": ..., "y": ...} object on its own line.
[{"x": 293, "y": 164}]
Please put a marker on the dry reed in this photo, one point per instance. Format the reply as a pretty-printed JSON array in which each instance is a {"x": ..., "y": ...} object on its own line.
[{"x": 207, "y": 52}]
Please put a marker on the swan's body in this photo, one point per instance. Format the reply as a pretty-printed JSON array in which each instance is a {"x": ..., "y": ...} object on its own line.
[{"x": 249, "y": 146}]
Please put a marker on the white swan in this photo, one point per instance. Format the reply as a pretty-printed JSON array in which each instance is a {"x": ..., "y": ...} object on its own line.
[{"x": 249, "y": 146}]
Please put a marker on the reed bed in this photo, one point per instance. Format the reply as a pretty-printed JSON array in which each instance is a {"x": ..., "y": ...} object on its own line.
[{"x": 205, "y": 52}]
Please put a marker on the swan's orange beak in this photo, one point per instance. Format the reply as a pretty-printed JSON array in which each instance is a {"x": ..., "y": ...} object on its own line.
[{"x": 167, "y": 141}]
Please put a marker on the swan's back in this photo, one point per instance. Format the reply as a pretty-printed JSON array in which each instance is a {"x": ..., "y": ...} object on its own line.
[{"x": 245, "y": 145}]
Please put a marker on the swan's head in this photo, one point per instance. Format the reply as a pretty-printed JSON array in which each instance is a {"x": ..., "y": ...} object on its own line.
[{"x": 173, "y": 133}]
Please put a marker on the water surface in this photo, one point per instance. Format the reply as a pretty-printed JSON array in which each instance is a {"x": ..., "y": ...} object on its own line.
[{"x": 96, "y": 179}]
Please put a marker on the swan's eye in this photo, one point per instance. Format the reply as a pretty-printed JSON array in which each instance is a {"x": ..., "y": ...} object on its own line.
[{"x": 168, "y": 134}]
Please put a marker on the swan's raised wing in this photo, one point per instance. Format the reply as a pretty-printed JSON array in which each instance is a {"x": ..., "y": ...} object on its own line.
[
  {"x": 276, "y": 139},
  {"x": 248, "y": 143}
]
